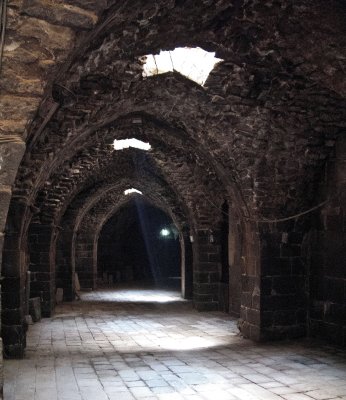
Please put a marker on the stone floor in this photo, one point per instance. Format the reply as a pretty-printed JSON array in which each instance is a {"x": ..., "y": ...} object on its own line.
[{"x": 146, "y": 344}]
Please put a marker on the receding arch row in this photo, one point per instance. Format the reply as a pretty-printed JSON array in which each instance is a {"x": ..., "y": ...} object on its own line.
[
  {"x": 45, "y": 256},
  {"x": 205, "y": 279},
  {"x": 194, "y": 160},
  {"x": 86, "y": 240},
  {"x": 83, "y": 135},
  {"x": 256, "y": 118},
  {"x": 69, "y": 224},
  {"x": 46, "y": 239},
  {"x": 90, "y": 221}
]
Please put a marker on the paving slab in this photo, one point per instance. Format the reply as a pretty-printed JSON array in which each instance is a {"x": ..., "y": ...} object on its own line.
[{"x": 144, "y": 343}]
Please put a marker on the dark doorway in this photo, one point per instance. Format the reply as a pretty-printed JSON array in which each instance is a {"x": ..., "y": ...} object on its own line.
[{"x": 140, "y": 243}]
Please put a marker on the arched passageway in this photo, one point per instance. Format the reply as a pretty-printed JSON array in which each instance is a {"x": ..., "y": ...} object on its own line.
[
  {"x": 247, "y": 159},
  {"x": 140, "y": 243}
]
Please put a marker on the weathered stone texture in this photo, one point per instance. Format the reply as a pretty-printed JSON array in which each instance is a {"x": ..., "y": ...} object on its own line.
[
  {"x": 14, "y": 106},
  {"x": 11, "y": 153},
  {"x": 327, "y": 254},
  {"x": 259, "y": 136},
  {"x": 5, "y": 198},
  {"x": 59, "y": 13}
]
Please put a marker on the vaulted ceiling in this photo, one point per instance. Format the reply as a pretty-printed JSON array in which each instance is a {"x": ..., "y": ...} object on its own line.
[{"x": 258, "y": 132}]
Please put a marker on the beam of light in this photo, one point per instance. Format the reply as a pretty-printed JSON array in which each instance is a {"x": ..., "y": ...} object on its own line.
[
  {"x": 153, "y": 261},
  {"x": 194, "y": 63},
  {"x": 126, "y": 143},
  {"x": 132, "y": 190}
]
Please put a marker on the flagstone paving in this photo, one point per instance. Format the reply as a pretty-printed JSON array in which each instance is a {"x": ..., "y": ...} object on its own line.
[{"x": 150, "y": 344}]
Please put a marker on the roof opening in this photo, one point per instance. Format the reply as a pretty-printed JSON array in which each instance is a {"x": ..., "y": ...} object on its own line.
[
  {"x": 126, "y": 143},
  {"x": 132, "y": 190},
  {"x": 194, "y": 63}
]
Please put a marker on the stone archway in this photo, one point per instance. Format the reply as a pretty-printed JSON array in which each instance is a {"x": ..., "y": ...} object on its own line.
[{"x": 259, "y": 134}]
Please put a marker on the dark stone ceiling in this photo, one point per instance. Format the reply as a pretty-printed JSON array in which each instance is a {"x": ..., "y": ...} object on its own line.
[{"x": 258, "y": 133}]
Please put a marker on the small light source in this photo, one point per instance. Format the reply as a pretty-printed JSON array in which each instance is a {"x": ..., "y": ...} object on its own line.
[
  {"x": 126, "y": 143},
  {"x": 164, "y": 232},
  {"x": 132, "y": 190}
]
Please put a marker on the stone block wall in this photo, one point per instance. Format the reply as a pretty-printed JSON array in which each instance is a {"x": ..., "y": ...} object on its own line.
[
  {"x": 235, "y": 249},
  {"x": 42, "y": 266},
  {"x": 13, "y": 326},
  {"x": 64, "y": 272},
  {"x": 187, "y": 265},
  {"x": 14, "y": 264},
  {"x": 207, "y": 268},
  {"x": 264, "y": 123},
  {"x": 24, "y": 75},
  {"x": 250, "y": 318},
  {"x": 283, "y": 283},
  {"x": 327, "y": 254},
  {"x": 84, "y": 260}
]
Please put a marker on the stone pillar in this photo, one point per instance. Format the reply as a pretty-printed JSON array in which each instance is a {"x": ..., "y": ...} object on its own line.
[
  {"x": 42, "y": 266},
  {"x": 84, "y": 260},
  {"x": 283, "y": 283},
  {"x": 14, "y": 266},
  {"x": 186, "y": 265},
  {"x": 64, "y": 270},
  {"x": 250, "y": 317},
  {"x": 327, "y": 253},
  {"x": 12, "y": 328},
  {"x": 206, "y": 272},
  {"x": 235, "y": 261}
]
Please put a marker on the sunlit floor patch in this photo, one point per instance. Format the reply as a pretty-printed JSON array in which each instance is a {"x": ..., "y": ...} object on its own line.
[
  {"x": 191, "y": 343},
  {"x": 112, "y": 345},
  {"x": 133, "y": 295}
]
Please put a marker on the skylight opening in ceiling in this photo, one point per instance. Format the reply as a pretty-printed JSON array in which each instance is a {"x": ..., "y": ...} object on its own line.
[
  {"x": 132, "y": 190},
  {"x": 126, "y": 143},
  {"x": 194, "y": 63}
]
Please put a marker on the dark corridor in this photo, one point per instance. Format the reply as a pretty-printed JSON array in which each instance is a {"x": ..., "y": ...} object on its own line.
[{"x": 139, "y": 243}]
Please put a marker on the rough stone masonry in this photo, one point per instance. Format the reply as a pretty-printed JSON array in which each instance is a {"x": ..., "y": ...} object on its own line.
[{"x": 265, "y": 135}]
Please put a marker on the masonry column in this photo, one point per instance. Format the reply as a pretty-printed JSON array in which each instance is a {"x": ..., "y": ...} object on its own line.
[
  {"x": 283, "y": 282},
  {"x": 84, "y": 260},
  {"x": 11, "y": 152},
  {"x": 206, "y": 273},
  {"x": 187, "y": 265},
  {"x": 64, "y": 270},
  {"x": 14, "y": 266},
  {"x": 327, "y": 252},
  {"x": 42, "y": 266},
  {"x": 250, "y": 307}
]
